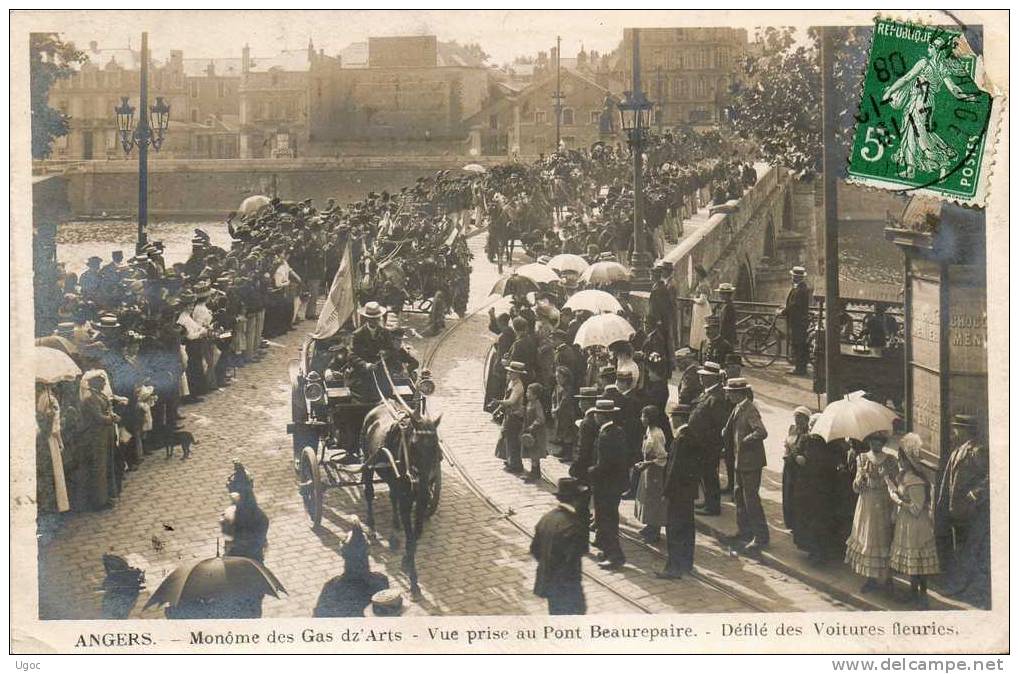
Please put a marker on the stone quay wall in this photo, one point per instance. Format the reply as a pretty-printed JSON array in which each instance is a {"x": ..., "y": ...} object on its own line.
[{"x": 213, "y": 188}]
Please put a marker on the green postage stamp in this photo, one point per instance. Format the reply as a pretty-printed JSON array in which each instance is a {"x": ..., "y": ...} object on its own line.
[{"x": 924, "y": 125}]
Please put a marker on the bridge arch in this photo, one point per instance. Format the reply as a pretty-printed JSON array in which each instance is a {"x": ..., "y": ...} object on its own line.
[{"x": 744, "y": 282}]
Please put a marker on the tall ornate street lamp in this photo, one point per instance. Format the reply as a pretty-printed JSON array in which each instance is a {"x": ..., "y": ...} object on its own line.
[
  {"x": 151, "y": 130},
  {"x": 635, "y": 119}
]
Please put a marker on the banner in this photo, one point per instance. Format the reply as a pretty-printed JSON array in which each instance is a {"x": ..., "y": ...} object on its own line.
[{"x": 340, "y": 303}]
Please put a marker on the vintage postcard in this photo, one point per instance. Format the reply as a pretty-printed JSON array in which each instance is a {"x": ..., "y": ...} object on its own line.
[{"x": 586, "y": 331}]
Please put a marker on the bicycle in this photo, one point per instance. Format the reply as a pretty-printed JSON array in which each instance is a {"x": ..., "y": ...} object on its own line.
[{"x": 762, "y": 343}]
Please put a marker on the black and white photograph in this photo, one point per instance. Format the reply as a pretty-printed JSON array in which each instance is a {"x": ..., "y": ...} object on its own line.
[{"x": 581, "y": 325}]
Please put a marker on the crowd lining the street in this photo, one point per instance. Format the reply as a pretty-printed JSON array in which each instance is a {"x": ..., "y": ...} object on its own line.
[{"x": 150, "y": 336}]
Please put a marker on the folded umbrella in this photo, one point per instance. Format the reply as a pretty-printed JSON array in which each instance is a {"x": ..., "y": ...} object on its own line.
[
  {"x": 602, "y": 330},
  {"x": 853, "y": 417},
  {"x": 595, "y": 301},
  {"x": 53, "y": 365}
]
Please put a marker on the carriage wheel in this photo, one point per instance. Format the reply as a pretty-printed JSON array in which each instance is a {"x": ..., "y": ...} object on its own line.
[
  {"x": 434, "y": 488},
  {"x": 760, "y": 346},
  {"x": 310, "y": 485}
]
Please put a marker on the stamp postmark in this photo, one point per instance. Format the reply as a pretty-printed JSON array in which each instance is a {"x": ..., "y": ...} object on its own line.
[{"x": 924, "y": 125}]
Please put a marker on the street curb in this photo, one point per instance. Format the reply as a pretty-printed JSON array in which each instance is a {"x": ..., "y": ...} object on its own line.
[{"x": 852, "y": 598}]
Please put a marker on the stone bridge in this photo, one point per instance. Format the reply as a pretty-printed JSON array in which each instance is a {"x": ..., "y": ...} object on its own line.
[{"x": 754, "y": 241}]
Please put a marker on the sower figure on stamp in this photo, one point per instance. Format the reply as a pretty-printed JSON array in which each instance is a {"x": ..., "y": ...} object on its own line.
[{"x": 559, "y": 544}]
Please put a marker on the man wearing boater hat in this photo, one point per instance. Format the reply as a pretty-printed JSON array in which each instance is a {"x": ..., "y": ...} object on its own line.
[
  {"x": 797, "y": 315},
  {"x": 744, "y": 435},
  {"x": 705, "y": 430},
  {"x": 726, "y": 313},
  {"x": 560, "y": 543},
  {"x": 370, "y": 339}
]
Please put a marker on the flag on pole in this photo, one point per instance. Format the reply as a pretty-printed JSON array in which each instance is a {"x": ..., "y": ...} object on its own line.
[{"x": 340, "y": 303}]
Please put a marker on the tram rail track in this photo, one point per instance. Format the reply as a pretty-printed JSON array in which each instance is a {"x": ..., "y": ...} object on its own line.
[{"x": 508, "y": 516}]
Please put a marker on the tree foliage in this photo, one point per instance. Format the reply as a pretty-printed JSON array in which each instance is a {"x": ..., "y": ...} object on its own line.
[
  {"x": 50, "y": 59},
  {"x": 777, "y": 105}
]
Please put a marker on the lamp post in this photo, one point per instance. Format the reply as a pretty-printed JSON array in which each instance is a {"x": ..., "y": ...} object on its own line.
[
  {"x": 557, "y": 97},
  {"x": 635, "y": 117},
  {"x": 150, "y": 130}
]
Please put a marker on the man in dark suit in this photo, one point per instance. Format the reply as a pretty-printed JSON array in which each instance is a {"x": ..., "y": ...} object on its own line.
[
  {"x": 797, "y": 315},
  {"x": 705, "y": 429},
  {"x": 587, "y": 433},
  {"x": 690, "y": 387},
  {"x": 662, "y": 303},
  {"x": 726, "y": 313},
  {"x": 717, "y": 348},
  {"x": 525, "y": 347},
  {"x": 682, "y": 474},
  {"x": 559, "y": 544},
  {"x": 608, "y": 477},
  {"x": 744, "y": 436},
  {"x": 371, "y": 338}
]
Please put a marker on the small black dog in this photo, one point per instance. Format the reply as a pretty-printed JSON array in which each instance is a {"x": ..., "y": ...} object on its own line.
[{"x": 184, "y": 439}]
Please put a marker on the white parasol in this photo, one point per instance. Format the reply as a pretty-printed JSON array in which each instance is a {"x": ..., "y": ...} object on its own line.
[
  {"x": 853, "y": 417},
  {"x": 568, "y": 262},
  {"x": 602, "y": 330},
  {"x": 538, "y": 273},
  {"x": 595, "y": 301},
  {"x": 53, "y": 365}
]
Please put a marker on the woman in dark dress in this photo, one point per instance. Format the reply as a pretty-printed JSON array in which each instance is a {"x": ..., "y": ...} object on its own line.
[
  {"x": 816, "y": 495},
  {"x": 792, "y": 466}
]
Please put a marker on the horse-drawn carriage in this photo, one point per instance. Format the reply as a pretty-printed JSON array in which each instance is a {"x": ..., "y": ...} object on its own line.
[{"x": 364, "y": 425}]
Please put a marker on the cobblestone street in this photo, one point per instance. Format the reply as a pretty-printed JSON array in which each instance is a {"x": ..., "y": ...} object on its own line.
[{"x": 473, "y": 558}]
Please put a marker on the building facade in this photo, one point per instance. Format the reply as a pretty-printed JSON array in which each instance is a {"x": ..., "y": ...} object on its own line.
[
  {"x": 523, "y": 122},
  {"x": 213, "y": 95},
  {"x": 687, "y": 72},
  {"x": 273, "y": 104},
  {"x": 410, "y": 95},
  {"x": 90, "y": 95}
]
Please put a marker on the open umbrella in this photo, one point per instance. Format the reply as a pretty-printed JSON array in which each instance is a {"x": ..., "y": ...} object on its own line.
[
  {"x": 568, "y": 262},
  {"x": 853, "y": 417},
  {"x": 218, "y": 579},
  {"x": 603, "y": 273},
  {"x": 252, "y": 204},
  {"x": 59, "y": 343},
  {"x": 53, "y": 365},
  {"x": 514, "y": 284},
  {"x": 595, "y": 301},
  {"x": 474, "y": 168},
  {"x": 602, "y": 330},
  {"x": 539, "y": 273}
]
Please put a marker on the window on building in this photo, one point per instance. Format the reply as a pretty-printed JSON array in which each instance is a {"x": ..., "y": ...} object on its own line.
[
  {"x": 567, "y": 119},
  {"x": 194, "y": 115},
  {"x": 595, "y": 117},
  {"x": 684, "y": 88},
  {"x": 111, "y": 140},
  {"x": 659, "y": 117},
  {"x": 540, "y": 117},
  {"x": 193, "y": 89},
  {"x": 493, "y": 122},
  {"x": 540, "y": 143},
  {"x": 222, "y": 90},
  {"x": 569, "y": 141}
]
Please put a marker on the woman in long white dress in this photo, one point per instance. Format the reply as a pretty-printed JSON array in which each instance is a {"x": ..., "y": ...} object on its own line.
[
  {"x": 701, "y": 308},
  {"x": 649, "y": 505}
]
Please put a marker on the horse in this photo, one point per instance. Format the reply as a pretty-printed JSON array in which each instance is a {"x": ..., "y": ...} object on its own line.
[{"x": 402, "y": 446}]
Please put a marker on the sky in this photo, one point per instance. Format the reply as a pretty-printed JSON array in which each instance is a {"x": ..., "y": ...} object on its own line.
[{"x": 503, "y": 34}]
